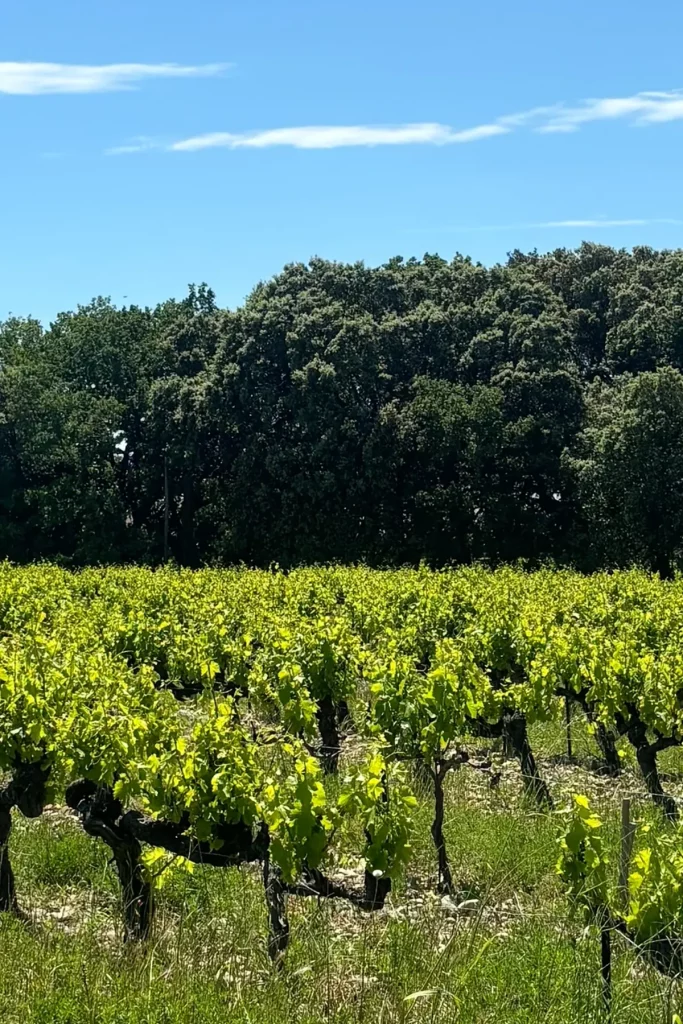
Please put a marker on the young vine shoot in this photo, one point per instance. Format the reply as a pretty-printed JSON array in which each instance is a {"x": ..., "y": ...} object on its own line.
[{"x": 279, "y": 720}]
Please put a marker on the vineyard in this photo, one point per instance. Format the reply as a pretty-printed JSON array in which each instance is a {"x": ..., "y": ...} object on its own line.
[{"x": 303, "y": 728}]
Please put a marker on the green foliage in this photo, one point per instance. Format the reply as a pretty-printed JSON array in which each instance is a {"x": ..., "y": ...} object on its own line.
[
  {"x": 655, "y": 885},
  {"x": 653, "y": 910},
  {"x": 423, "y": 409},
  {"x": 197, "y": 696},
  {"x": 91, "y": 662},
  {"x": 629, "y": 466},
  {"x": 378, "y": 795},
  {"x": 583, "y": 864}
]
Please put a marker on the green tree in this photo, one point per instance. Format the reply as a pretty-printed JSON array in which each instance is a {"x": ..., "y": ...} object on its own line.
[{"x": 628, "y": 465}]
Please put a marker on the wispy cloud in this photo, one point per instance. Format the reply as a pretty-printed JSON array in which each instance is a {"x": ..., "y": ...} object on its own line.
[
  {"x": 140, "y": 144},
  {"x": 594, "y": 223},
  {"x": 641, "y": 109},
  {"x": 632, "y": 222},
  {"x": 30, "y": 79},
  {"x": 334, "y": 137}
]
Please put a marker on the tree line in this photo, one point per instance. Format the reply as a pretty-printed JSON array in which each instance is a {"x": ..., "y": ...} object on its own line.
[{"x": 421, "y": 410}]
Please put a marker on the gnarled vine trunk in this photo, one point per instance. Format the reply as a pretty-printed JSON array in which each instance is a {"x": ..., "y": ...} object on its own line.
[
  {"x": 276, "y": 901},
  {"x": 329, "y": 734},
  {"x": 515, "y": 732},
  {"x": 100, "y": 817},
  {"x": 8, "y": 895},
  {"x": 646, "y": 755},
  {"x": 25, "y": 790},
  {"x": 604, "y": 736},
  {"x": 607, "y": 742}
]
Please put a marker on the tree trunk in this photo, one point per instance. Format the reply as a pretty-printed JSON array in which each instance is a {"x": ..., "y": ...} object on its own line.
[
  {"x": 343, "y": 714},
  {"x": 26, "y": 790},
  {"x": 276, "y": 901},
  {"x": 647, "y": 762},
  {"x": 135, "y": 890},
  {"x": 329, "y": 734},
  {"x": 445, "y": 882},
  {"x": 507, "y": 744},
  {"x": 167, "y": 508},
  {"x": 607, "y": 742},
  {"x": 8, "y": 896},
  {"x": 376, "y": 890},
  {"x": 605, "y": 737},
  {"x": 662, "y": 564},
  {"x": 516, "y": 733},
  {"x": 188, "y": 547},
  {"x": 100, "y": 815},
  {"x": 646, "y": 754}
]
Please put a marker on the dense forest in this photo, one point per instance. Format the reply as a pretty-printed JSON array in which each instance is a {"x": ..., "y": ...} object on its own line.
[{"x": 423, "y": 409}]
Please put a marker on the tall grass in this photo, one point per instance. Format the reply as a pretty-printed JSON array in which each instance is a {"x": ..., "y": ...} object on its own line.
[{"x": 504, "y": 949}]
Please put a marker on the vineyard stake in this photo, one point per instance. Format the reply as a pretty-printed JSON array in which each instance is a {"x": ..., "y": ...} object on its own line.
[
  {"x": 606, "y": 967},
  {"x": 628, "y": 830},
  {"x": 568, "y": 722}
]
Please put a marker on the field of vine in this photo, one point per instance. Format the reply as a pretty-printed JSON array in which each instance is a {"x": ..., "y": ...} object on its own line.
[{"x": 337, "y": 794}]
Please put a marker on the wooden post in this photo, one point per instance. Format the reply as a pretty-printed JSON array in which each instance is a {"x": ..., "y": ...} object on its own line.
[
  {"x": 628, "y": 830},
  {"x": 445, "y": 883},
  {"x": 606, "y": 967},
  {"x": 568, "y": 723}
]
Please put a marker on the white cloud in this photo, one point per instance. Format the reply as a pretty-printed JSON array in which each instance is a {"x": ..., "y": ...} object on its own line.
[
  {"x": 29, "y": 79},
  {"x": 641, "y": 109},
  {"x": 336, "y": 136},
  {"x": 482, "y": 131},
  {"x": 593, "y": 223},
  {"x": 634, "y": 222},
  {"x": 140, "y": 144}
]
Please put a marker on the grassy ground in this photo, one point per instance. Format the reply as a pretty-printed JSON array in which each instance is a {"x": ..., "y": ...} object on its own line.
[{"x": 503, "y": 950}]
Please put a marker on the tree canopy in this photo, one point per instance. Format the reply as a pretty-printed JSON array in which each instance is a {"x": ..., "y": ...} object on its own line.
[{"x": 420, "y": 410}]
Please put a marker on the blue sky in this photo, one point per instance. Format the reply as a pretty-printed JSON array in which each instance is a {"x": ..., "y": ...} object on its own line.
[{"x": 150, "y": 143}]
